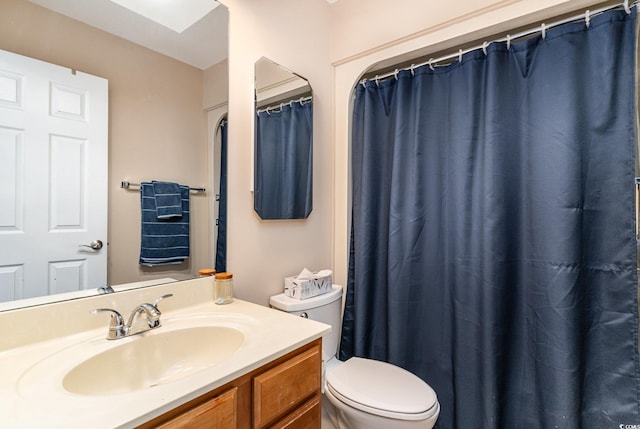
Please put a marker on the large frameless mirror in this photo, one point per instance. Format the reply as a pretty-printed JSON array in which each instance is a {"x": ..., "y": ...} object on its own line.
[
  {"x": 283, "y": 172},
  {"x": 159, "y": 83}
]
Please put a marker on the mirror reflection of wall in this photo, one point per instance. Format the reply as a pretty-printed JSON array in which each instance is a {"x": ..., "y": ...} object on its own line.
[
  {"x": 157, "y": 104},
  {"x": 283, "y": 173}
]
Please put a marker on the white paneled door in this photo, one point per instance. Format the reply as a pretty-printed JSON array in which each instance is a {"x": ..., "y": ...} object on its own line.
[{"x": 53, "y": 178}]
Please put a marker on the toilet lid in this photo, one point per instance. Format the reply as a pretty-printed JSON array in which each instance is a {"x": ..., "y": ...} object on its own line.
[{"x": 381, "y": 388}]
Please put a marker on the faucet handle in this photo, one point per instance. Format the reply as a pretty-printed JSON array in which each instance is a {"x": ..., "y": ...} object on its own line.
[
  {"x": 155, "y": 303},
  {"x": 117, "y": 328},
  {"x": 116, "y": 318}
]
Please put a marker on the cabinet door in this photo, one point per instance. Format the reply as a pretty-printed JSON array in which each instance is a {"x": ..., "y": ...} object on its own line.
[
  {"x": 308, "y": 416},
  {"x": 217, "y": 413},
  {"x": 282, "y": 389}
]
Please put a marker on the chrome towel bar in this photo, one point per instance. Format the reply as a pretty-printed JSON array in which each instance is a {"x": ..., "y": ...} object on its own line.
[{"x": 127, "y": 185}]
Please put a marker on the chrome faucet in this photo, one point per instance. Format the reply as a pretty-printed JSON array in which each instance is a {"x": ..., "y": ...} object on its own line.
[
  {"x": 150, "y": 311},
  {"x": 117, "y": 327},
  {"x": 105, "y": 289}
]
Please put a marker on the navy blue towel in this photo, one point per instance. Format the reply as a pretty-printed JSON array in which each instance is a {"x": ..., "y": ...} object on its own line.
[
  {"x": 163, "y": 241},
  {"x": 168, "y": 199}
]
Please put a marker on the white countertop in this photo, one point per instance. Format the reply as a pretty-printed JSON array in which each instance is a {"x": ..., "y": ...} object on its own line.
[{"x": 32, "y": 396}]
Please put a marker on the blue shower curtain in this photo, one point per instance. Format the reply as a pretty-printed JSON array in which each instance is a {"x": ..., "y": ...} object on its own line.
[
  {"x": 221, "y": 242},
  {"x": 492, "y": 247},
  {"x": 283, "y": 162}
]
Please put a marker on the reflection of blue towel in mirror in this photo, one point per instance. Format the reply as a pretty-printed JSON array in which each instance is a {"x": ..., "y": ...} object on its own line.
[
  {"x": 168, "y": 199},
  {"x": 163, "y": 241}
]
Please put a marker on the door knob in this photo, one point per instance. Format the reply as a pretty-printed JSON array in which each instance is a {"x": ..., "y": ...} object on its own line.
[{"x": 95, "y": 245}]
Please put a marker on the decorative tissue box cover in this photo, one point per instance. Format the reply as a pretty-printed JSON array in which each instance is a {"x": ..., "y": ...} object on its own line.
[{"x": 306, "y": 288}]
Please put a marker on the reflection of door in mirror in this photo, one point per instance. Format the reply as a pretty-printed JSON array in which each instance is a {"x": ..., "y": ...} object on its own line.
[
  {"x": 283, "y": 148},
  {"x": 53, "y": 178}
]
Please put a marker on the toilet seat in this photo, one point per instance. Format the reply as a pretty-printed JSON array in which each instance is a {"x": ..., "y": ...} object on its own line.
[{"x": 382, "y": 389}]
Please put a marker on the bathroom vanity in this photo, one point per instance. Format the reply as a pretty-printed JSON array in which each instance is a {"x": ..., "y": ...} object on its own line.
[
  {"x": 239, "y": 365},
  {"x": 284, "y": 393}
]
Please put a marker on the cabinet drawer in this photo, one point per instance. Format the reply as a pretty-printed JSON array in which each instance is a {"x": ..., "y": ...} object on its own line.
[
  {"x": 307, "y": 416},
  {"x": 217, "y": 413},
  {"x": 283, "y": 388}
]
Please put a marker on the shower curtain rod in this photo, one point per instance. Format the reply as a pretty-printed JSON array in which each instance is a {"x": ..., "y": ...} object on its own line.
[
  {"x": 433, "y": 62},
  {"x": 300, "y": 100}
]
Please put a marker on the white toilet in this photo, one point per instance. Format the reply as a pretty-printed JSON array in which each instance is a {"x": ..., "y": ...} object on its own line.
[{"x": 363, "y": 393}]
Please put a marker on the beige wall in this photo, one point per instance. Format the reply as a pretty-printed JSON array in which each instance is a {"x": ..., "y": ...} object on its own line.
[
  {"x": 157, "y": 127},
  {"x": 292, "y": 33},
  {"x": 413, "y": 27},
  {"x": 216, "y": 86}
]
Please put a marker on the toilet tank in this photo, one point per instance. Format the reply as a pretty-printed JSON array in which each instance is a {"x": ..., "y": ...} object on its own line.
[{"x": 325, "y": 308}]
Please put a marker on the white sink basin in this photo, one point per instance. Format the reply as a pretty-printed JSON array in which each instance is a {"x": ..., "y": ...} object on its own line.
[
  {"x": 151, "y": 359},
  {"x": 181, "y": 347}
]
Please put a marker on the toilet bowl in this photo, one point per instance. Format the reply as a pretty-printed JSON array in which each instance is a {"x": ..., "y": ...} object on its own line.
[
  {"x": 363, "y": 393},
  {"x": 377, "y": 395}
]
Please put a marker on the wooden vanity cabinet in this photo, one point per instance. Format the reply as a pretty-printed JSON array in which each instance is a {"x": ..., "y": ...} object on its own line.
[{"x": 284, "y": 393}]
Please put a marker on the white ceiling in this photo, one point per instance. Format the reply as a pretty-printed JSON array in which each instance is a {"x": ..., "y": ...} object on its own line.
[{"x": 202, "y": 45}]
